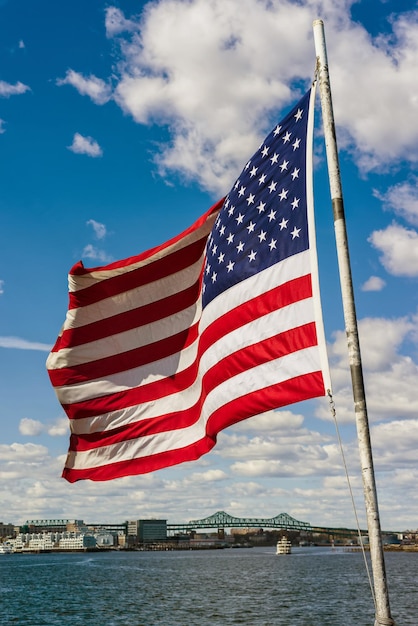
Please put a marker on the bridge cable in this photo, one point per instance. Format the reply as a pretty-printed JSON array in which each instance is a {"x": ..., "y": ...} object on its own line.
[{"x": 334, "y": 416}]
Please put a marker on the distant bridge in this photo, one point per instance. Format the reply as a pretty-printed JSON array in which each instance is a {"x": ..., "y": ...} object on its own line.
[
  {"x": 283, "y": 521},
  {"x": 221, "y": 520}
]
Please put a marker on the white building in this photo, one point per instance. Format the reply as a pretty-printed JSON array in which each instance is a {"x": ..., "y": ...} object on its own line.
[
  {"x": 105, "y": 540},
  {"x": 77, "y": 541},
  {"x": 37, "y": 542},
  {"x": 41, "y": 541}
]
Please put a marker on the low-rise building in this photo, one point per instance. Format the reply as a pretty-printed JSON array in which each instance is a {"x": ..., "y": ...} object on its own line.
[
  {"x": 132, "y": 528},
  {"x": 47, "y": 542},
  {"x": 6, "y": 530},
  {"x": 105, "y": 540},
  {"x": 77, "y": 541}
]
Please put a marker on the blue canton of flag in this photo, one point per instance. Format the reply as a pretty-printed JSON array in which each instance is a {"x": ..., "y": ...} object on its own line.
[{"x": 264, "y": 217}]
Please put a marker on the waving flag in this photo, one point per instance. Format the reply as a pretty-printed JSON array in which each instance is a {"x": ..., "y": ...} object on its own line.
[{"x": 161, "y": 351}]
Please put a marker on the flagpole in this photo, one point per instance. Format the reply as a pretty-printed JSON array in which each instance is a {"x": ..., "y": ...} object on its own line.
[{"x": 382, "y": 607}]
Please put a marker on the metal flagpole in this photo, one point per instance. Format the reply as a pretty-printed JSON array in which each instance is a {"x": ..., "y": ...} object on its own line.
[{"x": 382, "y": 607}]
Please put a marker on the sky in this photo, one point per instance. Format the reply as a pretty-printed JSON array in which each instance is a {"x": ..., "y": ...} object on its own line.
[{"x": 120, "y": 124}]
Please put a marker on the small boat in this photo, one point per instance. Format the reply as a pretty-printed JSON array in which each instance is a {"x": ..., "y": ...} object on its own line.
[
  {"x": 283, "y": 546},
  {"x": 6, "y": 548}
]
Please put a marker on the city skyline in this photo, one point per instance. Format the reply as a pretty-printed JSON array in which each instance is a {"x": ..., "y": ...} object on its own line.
[{"x": 218, "y": 519}]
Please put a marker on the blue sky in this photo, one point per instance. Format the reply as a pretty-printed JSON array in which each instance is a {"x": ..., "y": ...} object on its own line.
[{"x": 121, "y": 123}]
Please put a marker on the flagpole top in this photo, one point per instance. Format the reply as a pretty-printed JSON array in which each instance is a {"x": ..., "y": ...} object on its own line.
[{"x": 319, "y": 40}]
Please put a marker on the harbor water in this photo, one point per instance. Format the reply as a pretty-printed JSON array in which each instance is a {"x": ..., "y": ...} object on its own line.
[{"x": 311, "y": 587}]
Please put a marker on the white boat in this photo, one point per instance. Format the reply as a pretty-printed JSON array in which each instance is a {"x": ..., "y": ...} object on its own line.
[
  {"x": 6, "y": 548},
  {"x": 283, "y": 546}
]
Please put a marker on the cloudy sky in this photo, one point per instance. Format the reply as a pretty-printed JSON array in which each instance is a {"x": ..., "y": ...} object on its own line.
[{"x": 120, "y": 124}]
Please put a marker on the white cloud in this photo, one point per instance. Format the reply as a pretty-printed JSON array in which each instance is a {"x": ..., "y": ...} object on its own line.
[
  {"x": 190, "y": 78},
  {"x": 396, "y": 443},
  {"x": 90, "y": 252},
  {"x": 374, "y": 283},
  {"x": 277, "y": 468},
  {"x": 22, "y": 344},
  {"x": 1, "y": 287},
  {"x": 286, "y": 443},
  {"x": 399, "y": 248},
  {"x": 30, "y": 428},
  {"x": 389, "y": 375},
  {"x": 85, "y": 145},
  {"x": 96, "y": 88},
  {"x": 59, "y": 428},
  {"x": 7, "y": 89},
  {"x": 116, "y": 23},
  {"x": 287, "y": 449},
  {"x": 246, "y": 489},
  {"x": 381, "y": 340},
  {"x": 33, "y": 428},
  {"x": 379, "y": 121},
  {"x": 271, "y": 421},
  {"x": 2, "y": 128},
  {"x": 22, "y": 453},
  {"x": 402, "y": 199},
  {"x": 99, "y": 229},
  {"x": 209, "y": 476},
  {"x": 21, "y": 44}
]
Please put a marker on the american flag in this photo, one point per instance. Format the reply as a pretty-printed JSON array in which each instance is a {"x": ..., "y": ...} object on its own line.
[{"x": 161, "y": 351}]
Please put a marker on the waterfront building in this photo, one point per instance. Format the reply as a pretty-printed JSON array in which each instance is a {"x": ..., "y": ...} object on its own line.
[
  {"x": 152, "y": 530},
  {"x": 114, "y": 529},
  {"x": 47, "y": 542},
  {"x": 77, "y": 541},
  {"x": 19, "y": 543},
  {"x": 132, "y": 528},
  {"x": 40, "y": 542},
  {"x": 105, "y": 540},
  {"x": 34, "y": 542},
  {"x": 6, "y": 530}
]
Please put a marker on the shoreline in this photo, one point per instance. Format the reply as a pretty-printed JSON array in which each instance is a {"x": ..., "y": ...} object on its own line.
[
  {"x": 386, "y": 548},
  {"x": 171, "y": 548}
]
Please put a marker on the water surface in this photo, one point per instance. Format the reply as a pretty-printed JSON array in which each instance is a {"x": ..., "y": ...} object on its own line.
[{"x": 310, "y": 587}]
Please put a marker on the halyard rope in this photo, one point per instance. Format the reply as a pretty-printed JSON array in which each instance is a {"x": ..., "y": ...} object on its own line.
[{"x": 334, "y": 416}]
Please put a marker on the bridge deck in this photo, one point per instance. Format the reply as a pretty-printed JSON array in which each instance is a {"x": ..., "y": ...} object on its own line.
[{"x": 221, "y": 520}]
